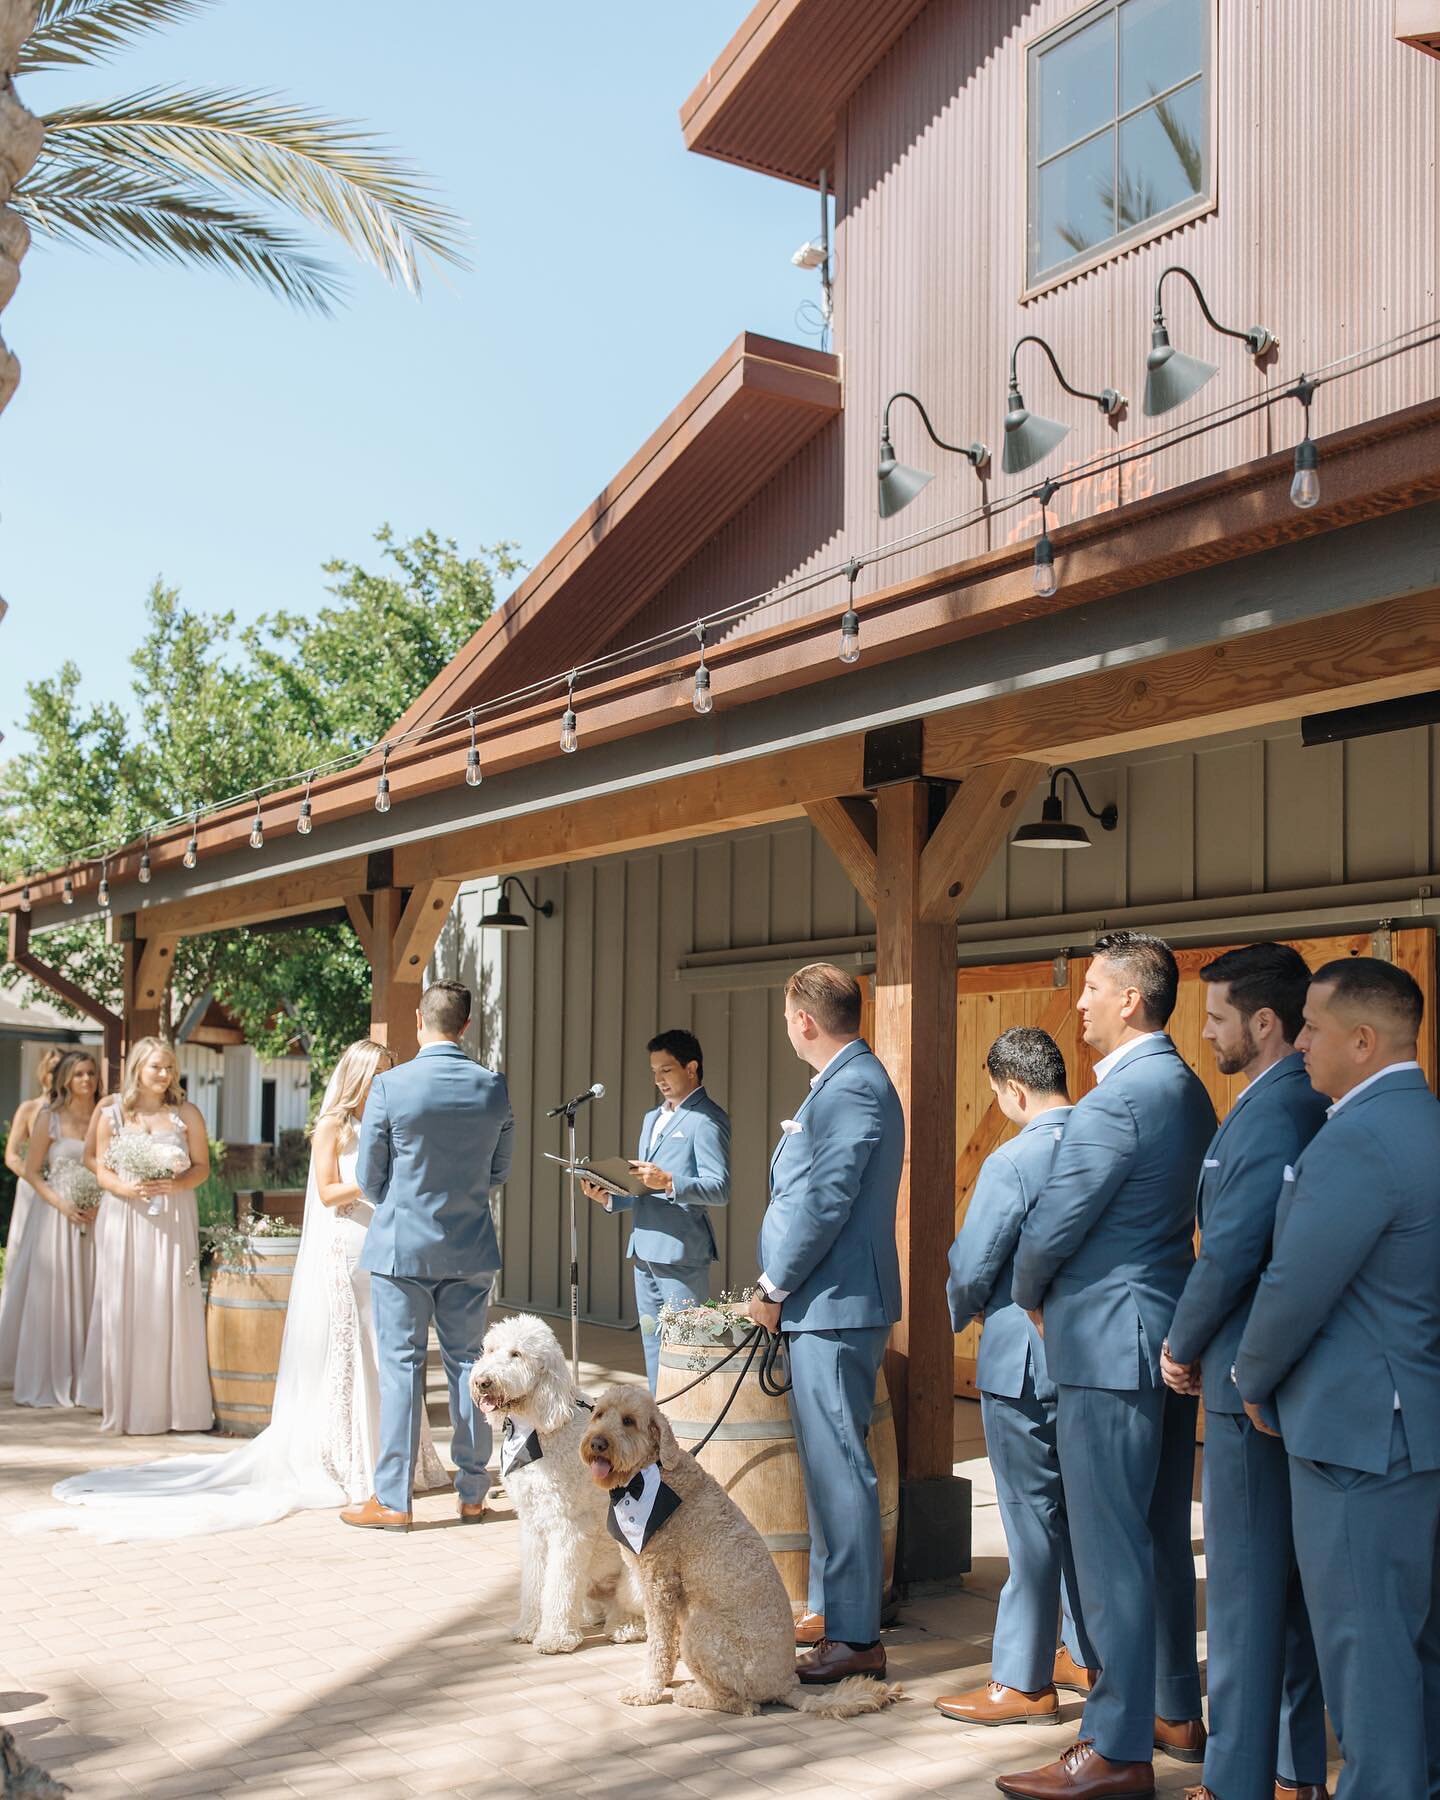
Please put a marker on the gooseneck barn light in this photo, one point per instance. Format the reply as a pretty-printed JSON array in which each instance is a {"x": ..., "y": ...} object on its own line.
[
  {"x": 1051, "y": 832},
  {"x": 898, "y": 484},
  {"x": 503, "y": 917},
  {"x": 1171, "y": 376},
  {"x": 1029, "y": 437}
]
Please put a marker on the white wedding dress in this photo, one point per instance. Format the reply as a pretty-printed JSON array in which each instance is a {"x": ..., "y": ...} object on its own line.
[{"x": 319, "y": 1448}]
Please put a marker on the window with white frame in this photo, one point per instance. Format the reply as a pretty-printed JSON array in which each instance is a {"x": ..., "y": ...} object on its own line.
[{"x": 1119, "y": 127}]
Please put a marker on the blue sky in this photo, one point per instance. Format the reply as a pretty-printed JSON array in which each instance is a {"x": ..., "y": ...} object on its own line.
[{"x": 180, "y": 424}]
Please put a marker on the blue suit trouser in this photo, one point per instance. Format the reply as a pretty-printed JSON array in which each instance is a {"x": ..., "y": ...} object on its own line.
[
  {"x": 655, "y": 1283},
  {"x": 1020, "y": 1442},
  {"x": 403, "y": 1307},
  {"x": 1366, "y": 1545},
  {"x": 1267, "y": 1714},
  {"x": 831, "y": 1399},
  {"x": 1127, "y": 1456}
]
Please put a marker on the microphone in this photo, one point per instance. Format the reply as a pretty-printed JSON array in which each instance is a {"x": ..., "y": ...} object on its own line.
[{"x": 594, "y": 1092}]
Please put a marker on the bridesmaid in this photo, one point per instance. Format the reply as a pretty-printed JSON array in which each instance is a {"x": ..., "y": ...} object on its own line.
[
  {"x": 17, "y": 1251},
  {"x": 145, "y": 1363},
  {"x": 60, "y": 1247}
]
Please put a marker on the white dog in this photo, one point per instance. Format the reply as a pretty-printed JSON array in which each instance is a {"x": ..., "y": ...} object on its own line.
[{"x": 567, "y": 1559}]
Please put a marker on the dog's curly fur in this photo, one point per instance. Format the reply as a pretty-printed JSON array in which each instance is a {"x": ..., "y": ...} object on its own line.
[
  {"x": 712, "y": 1592},
  {"x": 571, "y": 1571}
]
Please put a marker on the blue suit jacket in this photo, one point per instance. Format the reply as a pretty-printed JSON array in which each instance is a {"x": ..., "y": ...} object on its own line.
[
  {"x": 695, "y": 1150},
  {"x": 1107, "y": 1246},
  {"x": 1347, "y": 1315},
  {"x": 1269, "y": 1125},
  {"x": 436, "y": 1137},
  {"x": 828, "y": 1235},
  {"x": 982, "y": 1259}
]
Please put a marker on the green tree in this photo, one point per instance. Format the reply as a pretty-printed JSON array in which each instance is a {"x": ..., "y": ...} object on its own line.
[
  {"x": 219, "y": 710},
  {"x": 209, "y": 176}
]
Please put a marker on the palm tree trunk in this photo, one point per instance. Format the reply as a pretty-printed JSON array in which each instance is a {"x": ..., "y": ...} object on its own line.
[{"x": 21, "y": 135}]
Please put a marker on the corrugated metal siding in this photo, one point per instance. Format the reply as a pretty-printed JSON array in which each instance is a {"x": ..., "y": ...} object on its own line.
[
  {"x": 1327, "y": 231},
  {"x": 584, "y": 991}
]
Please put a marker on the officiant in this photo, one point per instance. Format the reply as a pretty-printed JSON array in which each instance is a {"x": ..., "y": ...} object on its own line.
[{"x": 682, "y": 1167}]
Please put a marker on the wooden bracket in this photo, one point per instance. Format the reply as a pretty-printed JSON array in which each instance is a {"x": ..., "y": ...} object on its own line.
[
  {"x": 110, "y": 1022},
  {"x": 849, "y": 827},
  {"x": 358, "y": 910},
  {"x": 970, "y": 832},
  {"x": 419, "y": 928}
]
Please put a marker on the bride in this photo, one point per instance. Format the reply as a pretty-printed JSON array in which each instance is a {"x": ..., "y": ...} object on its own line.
[{"x": 318, "y": 1449}]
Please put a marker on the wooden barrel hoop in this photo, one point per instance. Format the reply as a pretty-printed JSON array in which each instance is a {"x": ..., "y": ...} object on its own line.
[{"x": 244, "y": 1327}]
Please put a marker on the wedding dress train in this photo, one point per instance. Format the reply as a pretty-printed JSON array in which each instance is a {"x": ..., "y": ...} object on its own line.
[{"x": 317, "y": 1451}]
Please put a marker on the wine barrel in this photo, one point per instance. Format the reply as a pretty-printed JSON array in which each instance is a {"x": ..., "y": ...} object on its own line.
[
  {"x": 244, "y": 1323},
  {"x": 754, "y": 1458}
]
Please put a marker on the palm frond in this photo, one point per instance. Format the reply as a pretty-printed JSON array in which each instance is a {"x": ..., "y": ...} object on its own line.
[
  {"x": 72, "y": 33},
  {"x": 144, "y": 218},
  {"x": 331, "y": 172}
]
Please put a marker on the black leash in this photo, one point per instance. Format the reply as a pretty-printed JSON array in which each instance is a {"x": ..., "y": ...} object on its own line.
[{"x": 774, "y": 1380}]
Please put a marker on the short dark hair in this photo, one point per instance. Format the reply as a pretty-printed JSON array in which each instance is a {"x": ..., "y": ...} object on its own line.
[
  {"x": 1256, "y": 975},
  {"x": 1148, "y": 964},
  {"x": 830, "y": 996},
  {"x": 1030, "y": 1056},
  {"x": 1369, "y": 985},
  {"x": 684, "y": 1046},
  {"x": 445, "y": 1007}
]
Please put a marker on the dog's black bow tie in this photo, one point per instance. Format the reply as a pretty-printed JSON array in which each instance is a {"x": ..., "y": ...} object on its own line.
[{"x": 635, "y": 1487}]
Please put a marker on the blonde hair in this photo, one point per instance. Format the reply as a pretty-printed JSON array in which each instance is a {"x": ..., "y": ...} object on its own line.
[
  {"x": 49, "y": 1062},
  {"x": 354, "y": 1072},
  {"x": 64, "y": 1072},
  {"x": 140, "y": 1052}
]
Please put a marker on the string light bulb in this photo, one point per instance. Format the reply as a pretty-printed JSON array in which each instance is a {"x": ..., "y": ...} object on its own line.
[
  {"x": 257, "y": 830},
  {"x": 1305, "y": 488},
  {"x": 702, "y": 699},
  {"x": 569, "y": 730},
  {"x": 192, "y": 849},
  {"x": 382, "y": 786},
  {"x": 67, "y": 891},
  {"x": 1045, "y": 579},
  {"x": 145, "y": 870},
  {"x": 849, "y": 651},
  {"x": 305, "y": 824},
  {"x": 102, "y": 893},
  {"x": 25, "y": 898},
  {"x": 472, "y": 757}
]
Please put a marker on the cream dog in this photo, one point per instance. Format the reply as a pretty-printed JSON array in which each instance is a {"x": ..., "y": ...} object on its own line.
[
  {"x": 567, "y": 1560},
  {"x": 712, "y": 1592}
]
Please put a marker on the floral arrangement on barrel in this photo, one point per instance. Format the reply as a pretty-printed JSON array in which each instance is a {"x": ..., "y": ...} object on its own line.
[
  {"x": 134, "y": 1155},
  {"x": 77, "y": 1187},
  {"x": 230, "y": 1243},
  {"x": 704, "y": 1324}
]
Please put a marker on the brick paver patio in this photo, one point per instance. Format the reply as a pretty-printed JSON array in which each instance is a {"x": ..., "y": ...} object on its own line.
[{"x": 305, "y": 1659}]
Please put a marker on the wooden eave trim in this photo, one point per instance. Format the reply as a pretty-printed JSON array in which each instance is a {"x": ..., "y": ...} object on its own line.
[
  {"x": 793, "y": 373},
  {"x": 1373, "y": 469}
]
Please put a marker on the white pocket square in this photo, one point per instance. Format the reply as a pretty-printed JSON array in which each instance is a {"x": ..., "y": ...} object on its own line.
[
  {"x": 1289, "y": 1174},
  {"x": 1212, "y": 1162},
  {"x": 791, "y": 1127}
]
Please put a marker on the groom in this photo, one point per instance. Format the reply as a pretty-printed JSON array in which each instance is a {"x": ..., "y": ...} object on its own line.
[{"x": 435, "y": 1139}]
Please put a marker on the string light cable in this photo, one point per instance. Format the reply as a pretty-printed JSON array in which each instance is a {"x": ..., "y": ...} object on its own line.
[{"x": 1301, "y": 388}]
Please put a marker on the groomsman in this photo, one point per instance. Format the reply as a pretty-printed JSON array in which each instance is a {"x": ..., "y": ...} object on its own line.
[
  {"x": 1344, "y": 1339},
  {"x": 684, "y": 1161},
  {"x": 1105, "y": 1251},
  {"x": 831, "y": 1277},
  {"x": 1017, "y": 1397},
  {"x": 1267, "y": 1717}
]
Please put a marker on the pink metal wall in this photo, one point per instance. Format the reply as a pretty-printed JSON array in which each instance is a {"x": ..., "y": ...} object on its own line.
[{"x": 1325, "y": 230}]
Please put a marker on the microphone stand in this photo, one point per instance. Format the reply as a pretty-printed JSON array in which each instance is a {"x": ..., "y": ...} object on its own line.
[{"x": 570, "y": 1112}]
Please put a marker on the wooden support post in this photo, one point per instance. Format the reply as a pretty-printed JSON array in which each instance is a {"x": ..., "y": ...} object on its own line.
[
  {"x": 148, "y": 962},
  {"x": 398, "y": 930}
]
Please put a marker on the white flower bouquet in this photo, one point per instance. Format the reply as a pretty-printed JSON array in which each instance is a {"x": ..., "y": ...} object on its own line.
[
  {"x": 704, "y": 1325},
  {"x": 77, "y": 1187},
  {"x": 136, "y": 1156}
]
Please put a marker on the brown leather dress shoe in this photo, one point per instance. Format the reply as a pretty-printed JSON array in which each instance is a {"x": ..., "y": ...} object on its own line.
[
  {"x": 1074, "y": 1677},
  {"x": 372, "y": 1516},
  {"x": 1289, "y": 1790},
  {"x": 471, "y": 1512},
  {"x": 996, "y": 1704},
  {"x": 1184, "y": 1739},
  {"x": 1082, "y": 1773},
  {"x": 829, "y": 1662},
  {"x": 809, "y": 1629}
]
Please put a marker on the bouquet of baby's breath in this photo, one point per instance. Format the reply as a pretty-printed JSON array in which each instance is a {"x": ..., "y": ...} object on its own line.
[
  {"x": 704, "y": 1324},
  {"x": 77, "y": 1187},
  {"x": 230, "y": 1244},
  {"x": 135, "y": 1155}
]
